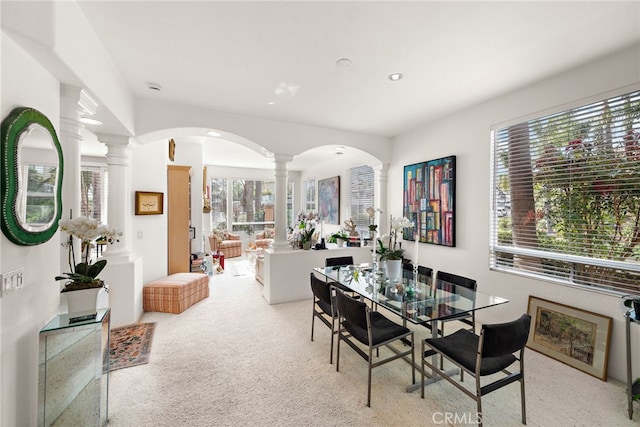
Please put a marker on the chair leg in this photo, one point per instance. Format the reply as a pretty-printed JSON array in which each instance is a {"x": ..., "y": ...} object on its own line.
[
  {"x": 313, "y": 318},
  {"x": 422, "y": 376},
  {"x": 369, "y": 381},
  {"x": 522, "y": 395},
  {"x": 413, "y": 359},
  {"x": 332, "y": 335},
  {"x": 479, "y": 400},
  {"x": 338, "y": 354}
]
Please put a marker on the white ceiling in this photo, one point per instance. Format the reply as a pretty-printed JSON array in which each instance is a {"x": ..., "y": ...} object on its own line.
[{"x": 277, "y": 60}]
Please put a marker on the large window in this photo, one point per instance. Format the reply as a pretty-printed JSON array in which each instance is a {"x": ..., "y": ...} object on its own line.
[
  {"x": 566, "y": 200},
  {"x": 360, "y": 195},
  {"x": 93, "y": 194},
  {"x": 242, "y": 204},
  {"x": 310, "y": 195},
  {"x": 219, "y": 203}
]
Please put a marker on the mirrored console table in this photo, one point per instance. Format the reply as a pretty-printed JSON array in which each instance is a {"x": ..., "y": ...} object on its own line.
[{"x": 74, "y": 370}]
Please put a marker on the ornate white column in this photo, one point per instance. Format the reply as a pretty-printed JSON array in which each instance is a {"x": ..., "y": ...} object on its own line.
[
  {"x": 74, "y": 102},
  {"x": 124, "y": 269},
  {"x": 382, "y": 176},
  {"x": 280, "y": 242},
  {"x": 118, "y": 196}
]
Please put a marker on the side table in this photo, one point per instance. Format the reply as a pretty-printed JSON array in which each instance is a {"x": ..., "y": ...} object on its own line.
[
  {"x": 632, "y": 389},
  {"x": 74, "y": 370}
]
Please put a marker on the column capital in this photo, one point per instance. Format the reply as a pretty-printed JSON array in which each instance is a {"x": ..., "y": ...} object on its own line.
[
  {"x": 118, "y": 148},
  {"x": 282, "y": 158},
  {"x": 114, "y": 140},
  {"x": 76, "y": 97}
]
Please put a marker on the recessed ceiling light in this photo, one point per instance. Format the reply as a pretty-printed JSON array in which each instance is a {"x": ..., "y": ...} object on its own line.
[
  {"x": 154, "y": 86},
  {"x": 343, "y": 63},
  {"x": 395, "y": 77},
  {"x": 214, "y": 134},
  {"x": 90, "y": 121},
  {"x": 339, "y": 149},
  {"x": 271, "y": 103}
]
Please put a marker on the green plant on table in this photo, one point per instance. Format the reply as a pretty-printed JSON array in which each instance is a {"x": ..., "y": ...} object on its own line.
[{"x": 338, "y": 235}]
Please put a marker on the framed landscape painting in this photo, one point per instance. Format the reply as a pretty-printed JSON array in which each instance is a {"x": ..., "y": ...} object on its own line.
[
  {"x": 576, "y": 337},
  {"x": 429, "y": 200},
  {"x": 329, "y": 200}
]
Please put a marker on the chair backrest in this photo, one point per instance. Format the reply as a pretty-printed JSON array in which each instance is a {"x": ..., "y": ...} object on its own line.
[
  {"x": 505, "y": 338},
  {"x": 352, "y": 310},
  {"x": 457, "y": 280},
  {"x": 320, "y": 289},
  {"x": 336, "y": 261},
  {"x": 424, "y": 273}
]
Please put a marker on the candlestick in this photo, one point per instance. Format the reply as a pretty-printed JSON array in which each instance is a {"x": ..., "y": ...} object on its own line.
[{"x": 415, "y": 263}]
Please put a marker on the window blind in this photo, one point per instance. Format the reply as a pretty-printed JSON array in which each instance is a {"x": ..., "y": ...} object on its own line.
[
  {"x": 360, "y": 194},
  {"x": 566, "y": 196}
]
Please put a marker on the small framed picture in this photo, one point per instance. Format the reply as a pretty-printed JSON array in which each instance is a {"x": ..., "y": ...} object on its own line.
[{"x": 149, "y": 203}]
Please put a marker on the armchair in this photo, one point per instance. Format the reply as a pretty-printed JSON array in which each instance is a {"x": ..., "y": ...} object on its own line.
[
  {"x": 227, "y": 243},
  {"x": 264, "y": 238}
]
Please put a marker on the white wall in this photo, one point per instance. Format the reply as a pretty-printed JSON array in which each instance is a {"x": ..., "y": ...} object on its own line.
[
  {"x": 466, "y": 135},
  {"x": 149, "y": 232},
  {"x": 23, "y": 313}
]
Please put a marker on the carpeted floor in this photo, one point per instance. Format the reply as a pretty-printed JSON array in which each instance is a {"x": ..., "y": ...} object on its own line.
[
  {"x": 131, "y": 345},
  {"x": 234, "y": 360}
]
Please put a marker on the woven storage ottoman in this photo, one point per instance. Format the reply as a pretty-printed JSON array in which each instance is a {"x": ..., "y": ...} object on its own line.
[{"x": 175, "y": 293}]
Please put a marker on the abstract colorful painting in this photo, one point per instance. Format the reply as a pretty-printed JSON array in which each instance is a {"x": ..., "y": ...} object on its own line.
[
  {"x": 329, "y": 200},
  {"x": 429, "y": 200}
]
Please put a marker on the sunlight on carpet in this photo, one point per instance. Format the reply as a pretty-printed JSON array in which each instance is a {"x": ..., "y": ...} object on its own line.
[
  {"x": 240, "y": 268},
  {"x": 131, "y": 345}
]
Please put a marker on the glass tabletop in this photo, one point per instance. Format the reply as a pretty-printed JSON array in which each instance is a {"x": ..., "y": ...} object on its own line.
[{"x": 418, "y": 301}]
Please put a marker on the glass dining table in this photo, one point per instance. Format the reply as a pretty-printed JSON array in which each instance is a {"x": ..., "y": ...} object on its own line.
[{"x": 416, "y": 299}]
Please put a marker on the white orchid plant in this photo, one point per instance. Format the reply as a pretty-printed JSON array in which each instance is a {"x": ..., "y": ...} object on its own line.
[
  {"x": 84, "y": 274},
  {"x": 393, "y": 251}
]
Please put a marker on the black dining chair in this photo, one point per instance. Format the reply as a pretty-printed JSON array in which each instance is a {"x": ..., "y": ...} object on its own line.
[
  {"x": 467, "y": 318},
  {"x": 425, "y": 274},
  {"x": 324, "y": 307},
  {"x": 339, "y": 262},
  {"x": 496, "y": 348},
  {"x": 358, "y": 324}
]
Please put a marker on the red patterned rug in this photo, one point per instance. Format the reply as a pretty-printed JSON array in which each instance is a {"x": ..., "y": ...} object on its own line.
[{"x": 131, "y": 345}]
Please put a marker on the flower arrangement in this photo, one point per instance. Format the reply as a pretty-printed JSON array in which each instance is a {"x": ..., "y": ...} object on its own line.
[
  {"x": 393, "y": 251},
  {"x": 304, "y": 231},
  {"x": 84, "y": 274}
]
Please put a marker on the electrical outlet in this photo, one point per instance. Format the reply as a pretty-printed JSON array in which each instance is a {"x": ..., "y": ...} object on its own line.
[{"x": 12, "y": 281}]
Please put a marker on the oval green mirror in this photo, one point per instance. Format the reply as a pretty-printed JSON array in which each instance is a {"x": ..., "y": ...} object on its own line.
[{"x": 32, "y": 168}]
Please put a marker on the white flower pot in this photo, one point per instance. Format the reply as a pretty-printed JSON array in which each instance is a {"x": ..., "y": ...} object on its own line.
[
  {"x": 340, "y": 242},
  {"x": 394, "y": 269},
  {"x": 82, "y": 300}
]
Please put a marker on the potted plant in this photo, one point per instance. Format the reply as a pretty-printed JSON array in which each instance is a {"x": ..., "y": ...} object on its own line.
[
  {"x": 339, "y": 237},
  {"x": 306, "y": 236},
  {"x": 632, "y": 301},
  {"x": 84, "y": 275}
]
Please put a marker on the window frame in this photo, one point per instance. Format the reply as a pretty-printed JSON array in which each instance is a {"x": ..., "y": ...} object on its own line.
[{"x": 632, "y": 268}]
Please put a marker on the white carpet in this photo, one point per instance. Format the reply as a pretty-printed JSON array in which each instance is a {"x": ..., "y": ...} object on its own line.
[{"x": 234, "y": 360}]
